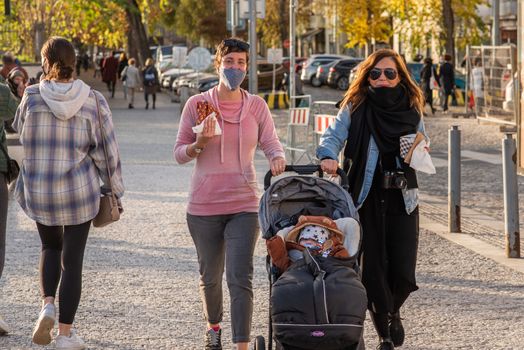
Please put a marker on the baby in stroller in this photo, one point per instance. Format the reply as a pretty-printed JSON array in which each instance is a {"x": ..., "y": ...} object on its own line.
[{"x": 320, "y": 234}]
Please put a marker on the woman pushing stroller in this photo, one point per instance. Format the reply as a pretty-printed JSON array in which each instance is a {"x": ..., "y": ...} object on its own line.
[{"x": 382, "y": 105}]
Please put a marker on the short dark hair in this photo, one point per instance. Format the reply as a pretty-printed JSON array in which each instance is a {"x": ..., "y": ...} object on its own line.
[
  {"x": 229, "y": 45},
  {"x": 60, "y": 56}
]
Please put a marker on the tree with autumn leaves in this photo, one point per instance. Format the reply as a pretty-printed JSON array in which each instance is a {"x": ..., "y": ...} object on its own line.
[
  {"x": 417, "y": 23},
  {"x": 126, "y": 23}
]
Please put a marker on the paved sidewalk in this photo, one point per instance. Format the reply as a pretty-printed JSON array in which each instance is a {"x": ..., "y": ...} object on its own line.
[{"x": 141, "y": 275}]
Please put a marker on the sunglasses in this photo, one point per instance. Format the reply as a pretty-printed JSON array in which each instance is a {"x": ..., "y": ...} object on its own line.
[
  {"x": 390, "y": 73},
  {"x": 237, "y": 43}
]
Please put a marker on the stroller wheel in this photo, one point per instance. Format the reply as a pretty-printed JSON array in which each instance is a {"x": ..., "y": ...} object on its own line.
[{"x": 260, "y": 343}]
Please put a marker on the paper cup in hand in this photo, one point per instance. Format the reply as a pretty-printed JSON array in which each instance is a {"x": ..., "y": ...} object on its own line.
[{"x": 200, "y": 127}]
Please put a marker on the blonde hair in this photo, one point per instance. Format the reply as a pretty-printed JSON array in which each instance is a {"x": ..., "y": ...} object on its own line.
[
  {"x": 357, "y": 91},
  {"x": 149, "y": 62}
]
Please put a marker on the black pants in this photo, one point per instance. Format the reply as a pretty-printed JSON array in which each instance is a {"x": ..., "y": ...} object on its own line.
[
  {"x": 447, "y": 93},
  {"x": 389, "y": 249},
  {"x": 63, "y": 255},
  {"x": 428, "y": 94},
  {"x": 111, "y": 87},
  {"x": 146, "y": 97}
]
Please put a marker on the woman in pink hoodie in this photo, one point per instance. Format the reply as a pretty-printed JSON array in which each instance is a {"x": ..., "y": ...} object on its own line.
[{"x": 223, "y": 201}]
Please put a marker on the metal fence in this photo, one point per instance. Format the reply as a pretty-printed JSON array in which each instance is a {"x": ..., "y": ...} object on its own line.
[
  {"x": 492, "y": 84},
  {"x": 299, "y": 138}
]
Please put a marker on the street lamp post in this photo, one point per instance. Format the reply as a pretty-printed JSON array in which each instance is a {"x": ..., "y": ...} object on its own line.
[
  {"x": 253, "y": 78},
  {"x": 291, "y": 87}
]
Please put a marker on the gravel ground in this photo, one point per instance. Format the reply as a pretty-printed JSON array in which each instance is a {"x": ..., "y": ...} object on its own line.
[{"x": 141, "y": 274}]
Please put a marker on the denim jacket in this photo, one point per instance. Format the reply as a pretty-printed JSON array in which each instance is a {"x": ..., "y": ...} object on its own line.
[{"x": 333, "y": 142}]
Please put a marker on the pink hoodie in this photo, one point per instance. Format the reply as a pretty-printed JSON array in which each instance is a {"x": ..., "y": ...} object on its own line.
[{"x": 224, "y": 177}]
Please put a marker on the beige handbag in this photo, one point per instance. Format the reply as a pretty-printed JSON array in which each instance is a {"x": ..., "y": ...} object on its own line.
[{"x": 108, "y": 211}]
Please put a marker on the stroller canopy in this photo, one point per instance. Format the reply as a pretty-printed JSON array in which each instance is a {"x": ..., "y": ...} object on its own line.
[{"x": 288, "y": 198}]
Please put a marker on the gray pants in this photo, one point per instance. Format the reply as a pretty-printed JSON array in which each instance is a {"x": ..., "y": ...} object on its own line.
[
  {"x": 3, "y": 218},
  {"x": 226, "y": 240}
]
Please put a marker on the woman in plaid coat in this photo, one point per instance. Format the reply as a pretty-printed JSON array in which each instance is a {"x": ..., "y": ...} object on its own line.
[{"x": 59, "y": 183}]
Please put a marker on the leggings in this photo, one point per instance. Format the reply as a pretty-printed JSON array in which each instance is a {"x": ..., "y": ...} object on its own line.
[
  {"x": 3, "y": 219},
  {"x": 63, "y": 254}
]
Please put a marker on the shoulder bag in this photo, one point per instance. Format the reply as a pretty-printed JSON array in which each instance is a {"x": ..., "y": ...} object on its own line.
[
  {"x": 108, "y": 211},
  {"x": 12, "y": 166}
]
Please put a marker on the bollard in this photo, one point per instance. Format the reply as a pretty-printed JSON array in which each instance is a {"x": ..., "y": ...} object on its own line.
[
  {"x": 511, "y": 197},
  {"x": 454, "y": 180}
]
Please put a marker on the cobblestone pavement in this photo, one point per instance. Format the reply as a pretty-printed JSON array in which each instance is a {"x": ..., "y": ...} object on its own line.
[{"x": 141, "y": 274}]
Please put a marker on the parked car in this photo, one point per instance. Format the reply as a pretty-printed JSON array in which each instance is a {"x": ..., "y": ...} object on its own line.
[
  {"x": 322, "y": 74},
  {"x": 338, "y": 76},
  {"x": 265, "y": 76},
  {"x": 203, "y": 84},
  {"x": 185, "y": 79},
  {"x": 415, "y": 68},
  {"x": 298, "y": 61},
  {"x": 166, "y": 78},
  {"x": 310, "y": 66}
]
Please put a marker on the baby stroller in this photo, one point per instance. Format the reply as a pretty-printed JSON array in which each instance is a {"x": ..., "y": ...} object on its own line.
[{"x": 318, "y": 302}]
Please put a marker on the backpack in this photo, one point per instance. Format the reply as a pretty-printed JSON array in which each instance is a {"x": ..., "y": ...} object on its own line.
[{"x": 149, "y": 77}]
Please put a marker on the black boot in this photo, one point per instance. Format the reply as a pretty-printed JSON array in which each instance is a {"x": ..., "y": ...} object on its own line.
[
  {"x": 396, "y": 329},
  {"x": 147, "y": 105},
  {"x": 385, "y": 344}
]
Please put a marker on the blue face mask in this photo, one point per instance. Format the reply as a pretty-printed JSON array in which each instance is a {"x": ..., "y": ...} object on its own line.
[{"x": 232, "y": 77}]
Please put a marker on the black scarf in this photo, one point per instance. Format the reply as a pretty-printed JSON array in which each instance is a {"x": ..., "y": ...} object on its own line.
[{"x": 387, "y": 115}]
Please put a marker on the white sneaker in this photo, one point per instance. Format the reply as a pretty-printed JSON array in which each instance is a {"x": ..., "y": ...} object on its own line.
[
  {"x": 44, "y": 325},
  {"x": 73, "y": 342},
  {"x": 4, "y": 328}
]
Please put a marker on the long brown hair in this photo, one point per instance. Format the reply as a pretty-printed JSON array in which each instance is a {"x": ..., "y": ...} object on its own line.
[
  {"x": 61, "y": 58},
  {"x": 357, "y": 91}
]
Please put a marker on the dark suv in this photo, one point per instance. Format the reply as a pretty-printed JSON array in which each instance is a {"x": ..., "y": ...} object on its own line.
[{"x": 338, "y": 76}]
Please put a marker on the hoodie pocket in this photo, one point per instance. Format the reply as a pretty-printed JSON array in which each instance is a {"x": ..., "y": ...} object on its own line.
[{"x": 221, "y": 188}]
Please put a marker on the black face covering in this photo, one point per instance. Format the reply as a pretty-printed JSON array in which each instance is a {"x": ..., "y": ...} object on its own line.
[{"x": 386, "y": 114}]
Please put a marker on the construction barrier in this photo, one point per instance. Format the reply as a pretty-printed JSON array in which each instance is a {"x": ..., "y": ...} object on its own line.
[
  {"x": 298, "y": 138},
  {"x": 276, "y": 100}
]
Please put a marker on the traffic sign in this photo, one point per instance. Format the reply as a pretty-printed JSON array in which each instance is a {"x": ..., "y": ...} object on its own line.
[
  {"x": 179, "y": 56},
  {"x": 274, "y": 56},
  {"x": 199, "y": 58},
  {"x": 243, "y": 9}
]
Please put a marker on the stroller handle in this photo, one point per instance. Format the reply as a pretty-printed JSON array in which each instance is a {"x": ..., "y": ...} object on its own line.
[{"x": 308, "y": 170}]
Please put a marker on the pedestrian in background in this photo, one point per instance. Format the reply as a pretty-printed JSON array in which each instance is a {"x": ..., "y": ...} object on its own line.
[
  {"x": 447, "y": 80},
  {"x": 222, "y": 214},
  {"x": 150, "y": 81},
  {"x": 58, "y": 186},
  {"x": 122, "y": 63},
  {"x": 109, "y": 72},
  {"x": 9, "y": 63},
  {"x": 16, "y": 82},
  {"x": 428, "y": 75},
  {"x": 131, "y": 80},
  {"x": 477, "y": 80},
  {"x": 382, "y": 104},
  {"x": 8, "y": 105}
]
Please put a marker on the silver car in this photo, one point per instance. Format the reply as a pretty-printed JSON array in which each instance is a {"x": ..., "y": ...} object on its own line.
[{"x": 310, "y": 66}]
